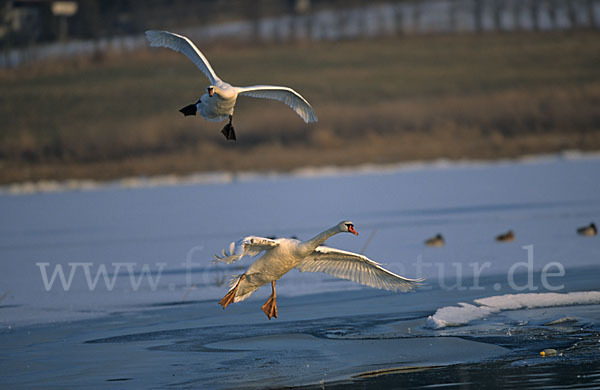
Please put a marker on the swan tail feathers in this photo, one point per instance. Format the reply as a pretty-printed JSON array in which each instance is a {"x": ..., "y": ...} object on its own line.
[
  {"x": 242, "y": 288},
  {"x": 234, "y": 281},
  {"x": 234, "y": 294}
]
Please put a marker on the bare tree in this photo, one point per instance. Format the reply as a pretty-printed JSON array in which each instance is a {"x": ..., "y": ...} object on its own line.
[
  {"x": 478, "y": 15},
  {"x": 417, "y": 15},
  {"x": 552, "y": 12},
  {"x": 517, "y": 9},
  {"x": 593, "y": 19},
  {"x": 452, "y": 16},
  {"x": 497, "y": 11},
  {"x": 535, "y": 14}
]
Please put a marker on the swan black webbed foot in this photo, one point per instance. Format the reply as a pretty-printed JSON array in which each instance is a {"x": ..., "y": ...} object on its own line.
[
  {"x": 188, "y": 110},
  {"x": 228, "y": 130}
]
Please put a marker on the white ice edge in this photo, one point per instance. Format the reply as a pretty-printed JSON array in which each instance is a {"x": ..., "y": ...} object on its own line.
[
  {"x": 44, "y": 186},
  {"x": 465, "y": 312}
]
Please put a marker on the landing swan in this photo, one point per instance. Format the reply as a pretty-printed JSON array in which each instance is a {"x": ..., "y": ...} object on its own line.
[
  {"x": 283, "y": 254},
  {"x": 218, "y": 103}
]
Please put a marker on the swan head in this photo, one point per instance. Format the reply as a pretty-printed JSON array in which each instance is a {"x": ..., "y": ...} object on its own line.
[
  {"x": 210, "y": 90},
  {"x": 347, "y": 226}
]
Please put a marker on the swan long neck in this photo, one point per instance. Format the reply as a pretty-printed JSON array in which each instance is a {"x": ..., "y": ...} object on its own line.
[{"x": 319, "y": 239}]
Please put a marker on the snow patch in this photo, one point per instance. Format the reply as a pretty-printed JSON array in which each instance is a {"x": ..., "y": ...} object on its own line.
[{"x": 465, "y": 312}]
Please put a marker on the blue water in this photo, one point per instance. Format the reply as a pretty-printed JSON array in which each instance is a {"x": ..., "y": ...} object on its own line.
[{"x": 168, "y": 331}]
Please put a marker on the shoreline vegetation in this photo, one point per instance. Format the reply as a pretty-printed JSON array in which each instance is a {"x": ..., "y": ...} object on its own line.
[
  {"x": 390, "y": 100},
  {"x": 212, "y": 177}
]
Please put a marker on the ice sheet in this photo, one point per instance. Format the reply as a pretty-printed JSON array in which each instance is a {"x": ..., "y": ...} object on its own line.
[{"x": 543, "y": 200}]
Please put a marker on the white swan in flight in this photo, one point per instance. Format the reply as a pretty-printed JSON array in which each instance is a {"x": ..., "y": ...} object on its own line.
[
  {"x": 283, "y": 254},
  {"x": 217, "y": 105}
]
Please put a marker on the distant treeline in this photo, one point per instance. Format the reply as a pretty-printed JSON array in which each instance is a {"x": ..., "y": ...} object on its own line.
[
  {"x": 102, "y": 26},
  {"x": 23, "y": 23}
]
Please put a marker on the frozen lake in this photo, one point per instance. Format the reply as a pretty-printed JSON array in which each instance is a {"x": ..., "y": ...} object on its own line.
[{"x": 116, "y": 284}]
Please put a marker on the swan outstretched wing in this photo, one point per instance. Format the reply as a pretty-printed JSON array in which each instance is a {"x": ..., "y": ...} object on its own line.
[
  {"x": 283, "y": 94},
  {"x": 183, "y": 45},
  {"x": 355, "y": 267},
  {"x": 251, "y": 246}
]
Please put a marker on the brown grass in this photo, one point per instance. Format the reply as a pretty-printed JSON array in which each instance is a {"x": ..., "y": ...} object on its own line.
[{"x": 398, "y": 99}]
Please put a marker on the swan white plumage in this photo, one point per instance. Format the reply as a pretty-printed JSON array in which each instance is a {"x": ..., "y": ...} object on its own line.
[
  {"x": 284, "y": 254},
  {"x": 219, "y": 101}
]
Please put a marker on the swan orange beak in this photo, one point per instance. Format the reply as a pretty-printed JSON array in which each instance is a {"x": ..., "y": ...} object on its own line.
[
  {"x": 351, "y": 230},
  {"x": 211, "y": 92}
]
